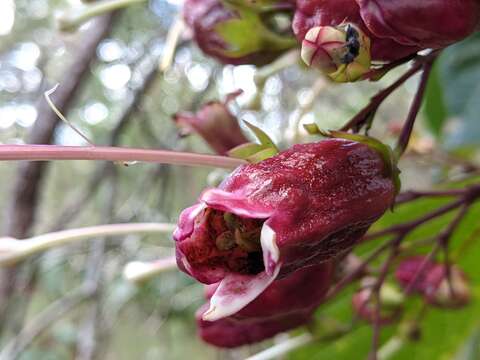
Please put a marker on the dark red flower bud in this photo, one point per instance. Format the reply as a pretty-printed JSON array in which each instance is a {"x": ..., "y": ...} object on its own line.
[
  {"x": 424, "y": 24},
  {"x": 337, "y": 14},
  {"x": 343, "y": 53},
  {"x": 215, "y": 124},
  {"x": 234, "y": 34},
  {"x": 302, "y": 207},
  {"x": 431, "y": 280},
  {"x": 408, "y": 270},
  {"x": 364, "y": 302},
  {"x": 284, "y": 305}
]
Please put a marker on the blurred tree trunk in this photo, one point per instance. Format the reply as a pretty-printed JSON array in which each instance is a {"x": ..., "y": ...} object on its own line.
[{"x": 27, "y": 187}]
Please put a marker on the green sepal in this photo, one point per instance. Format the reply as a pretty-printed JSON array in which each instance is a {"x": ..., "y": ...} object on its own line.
[
  {"x": 262, "y": 155},
  {"x": 233, "y": 31},
  {"x": 355, "y": 70},
  {"x": 385, "y": 151},
  {"x": 312, "y": 129},
  {"x": 253, "y": 152},
  {"x": 246, "y": 150},
  {"x": 261, "y": 136}
]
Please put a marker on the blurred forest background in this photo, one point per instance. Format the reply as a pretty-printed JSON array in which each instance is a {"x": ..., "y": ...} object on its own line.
[{"x": 111, "y": 88}]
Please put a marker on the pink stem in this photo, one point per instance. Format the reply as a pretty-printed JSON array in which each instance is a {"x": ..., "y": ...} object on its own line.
[{"x": 57, "y": 152}]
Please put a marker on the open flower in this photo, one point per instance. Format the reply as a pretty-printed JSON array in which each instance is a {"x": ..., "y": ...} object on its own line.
[
  {"x": 284, "y": 305},
  {"x": 432, "y": 280},
  {"x": 302, "y": 207}
]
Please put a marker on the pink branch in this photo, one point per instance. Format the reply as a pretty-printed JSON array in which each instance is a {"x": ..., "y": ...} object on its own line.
[{"x": 57, "y": 152}]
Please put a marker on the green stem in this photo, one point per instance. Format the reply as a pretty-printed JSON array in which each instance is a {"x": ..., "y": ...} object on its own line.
[
  {"x": 286, "y": 60},
  {"x": 15, "y": 250},
  {"x": 72, "y": 19}
]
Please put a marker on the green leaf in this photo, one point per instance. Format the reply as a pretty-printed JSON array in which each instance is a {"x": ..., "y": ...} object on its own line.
[
  {"x": 261, "y": 136},
  {"x": 233, "y": 33},
  {"x": 459, "y": 69},
  {"x": 435, "y": 109}
]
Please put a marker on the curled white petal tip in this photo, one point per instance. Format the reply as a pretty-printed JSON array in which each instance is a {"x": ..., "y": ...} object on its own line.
[
  {"x": 271, "y": 253},
  {"x": 207, "y": 315},
  {"x": 237, "y": 291}
]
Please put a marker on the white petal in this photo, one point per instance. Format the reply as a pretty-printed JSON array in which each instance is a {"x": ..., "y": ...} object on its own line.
[
  {"x": 271, "y": 253},
  {"x": 235, "y": 292}
]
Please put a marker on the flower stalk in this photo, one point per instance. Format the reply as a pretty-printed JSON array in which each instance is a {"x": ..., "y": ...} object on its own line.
[
  {"x": 414, "y": 109},
  {"x": 368, "y": 112},
  {"x": 115, "y": 154},
  {"x": 288, "y": 59},
  {"x": 15, "y": 250}
]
